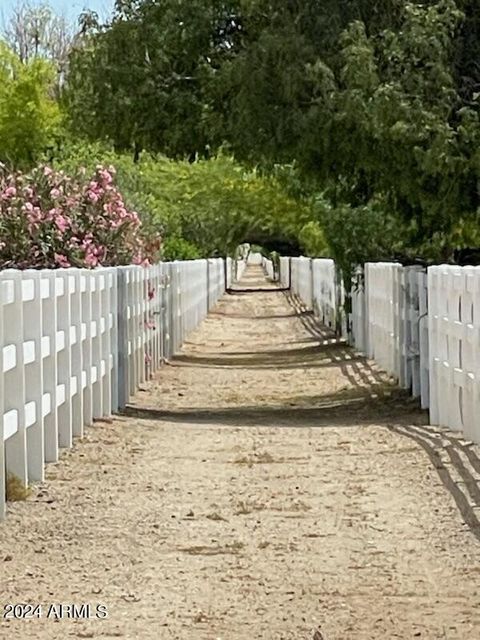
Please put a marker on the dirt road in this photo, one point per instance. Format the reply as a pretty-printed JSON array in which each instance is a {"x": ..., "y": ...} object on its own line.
[{"x": 267, "y": 484}]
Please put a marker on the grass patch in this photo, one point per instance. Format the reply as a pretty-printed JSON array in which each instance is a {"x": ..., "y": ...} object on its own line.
[
  {"x": 16, "y": 491},
  {"x": 244, "y": 508},
  {"x": 203, "y": 550},
  {"x": 216, "y": 517},
  {"x": 255, "y": 458}
]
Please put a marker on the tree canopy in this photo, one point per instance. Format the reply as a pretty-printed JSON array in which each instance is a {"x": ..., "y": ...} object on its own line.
[
  {"x": 374, "y": 102},
  {"x": 363, "y": 113}
]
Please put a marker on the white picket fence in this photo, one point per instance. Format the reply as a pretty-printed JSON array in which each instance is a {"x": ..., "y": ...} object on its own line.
[
  {"x": 75, "y": 344},
  {"x": 301, "y": 280},
  {"x": 314, "y": 281}
]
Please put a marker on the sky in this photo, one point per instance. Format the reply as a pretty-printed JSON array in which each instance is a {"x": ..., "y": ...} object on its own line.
[{"x": 71, "y": 9}]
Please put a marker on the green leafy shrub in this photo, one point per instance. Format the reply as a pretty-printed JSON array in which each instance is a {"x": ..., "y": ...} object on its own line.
[{"x": 203, "y": 208}]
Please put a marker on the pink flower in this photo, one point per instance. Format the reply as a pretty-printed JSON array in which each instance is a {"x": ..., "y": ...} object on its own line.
[
  {"x": 61, "y": 260},
  {"x": 55, "y": 193},
  {"x": 62, "y": 223},
  {"x": 10, "y": 192},
  {"x": 105, "y": 176},
  {"x": 134, "y": 218},
  {"x": 91, "y": 259},
  {"x": 34, "y": 215}
]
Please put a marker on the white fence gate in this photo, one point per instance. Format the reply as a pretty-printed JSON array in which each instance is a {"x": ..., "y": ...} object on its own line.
[
  {"x": 324, "y": 291},
  {"x": 422, "y": 329},
  {"x": 255, "y": 259},
  {"x": 75, "y": 344},
  {"x": 454, "y": 330},
  {"x": 388, "y": 322},
  {"x": 235, "y": 269},
  {"x": 358, "y": 315}
]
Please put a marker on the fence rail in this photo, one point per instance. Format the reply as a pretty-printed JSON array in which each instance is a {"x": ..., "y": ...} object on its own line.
[{"x": 76, "y": 344}]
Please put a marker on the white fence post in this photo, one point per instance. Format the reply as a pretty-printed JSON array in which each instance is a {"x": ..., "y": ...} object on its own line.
[
  {"x": 76, "y": 358},
  {"x": 122, "y": 336},
  {"x": 423, "y": 339},
  {"x": 2, "y": 408},
  {"x": 14, "y": 376},
  {"x": 64, "y": 288},
  {"x": 97, "y": 400},
  {"x": 50, "y": 376},
  {"x": 32, "y": 353},
  {"x": 86, "y": 336}
]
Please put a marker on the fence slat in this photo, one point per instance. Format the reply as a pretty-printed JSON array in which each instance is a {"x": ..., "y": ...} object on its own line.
[
  {"x": 14, "y": 421},
  {"x": 2, "y": 406},
  {"x": 32, "y": 333}
]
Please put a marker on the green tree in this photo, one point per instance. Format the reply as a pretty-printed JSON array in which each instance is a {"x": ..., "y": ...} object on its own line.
[
  {"x": 142, "y": 81},
  {"x": 30, "y": 118},
  {"x": 374, "y": 102}
]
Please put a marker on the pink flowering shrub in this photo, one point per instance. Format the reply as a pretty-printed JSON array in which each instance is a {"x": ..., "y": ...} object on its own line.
[{"x": 49, "y": 219}]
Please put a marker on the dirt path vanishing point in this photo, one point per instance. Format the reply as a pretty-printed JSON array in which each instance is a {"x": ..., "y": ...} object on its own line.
[{"x": 267, "y": 484}]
